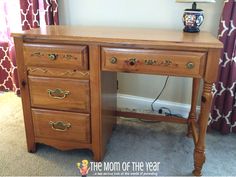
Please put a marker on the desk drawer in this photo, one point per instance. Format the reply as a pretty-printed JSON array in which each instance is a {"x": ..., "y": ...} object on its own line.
[
  {"x": 59, "y": 93},
  {"x": 57, "y": 56},
  {"x": 153, "y": 61},
  {"x": 65, "y": 126}
]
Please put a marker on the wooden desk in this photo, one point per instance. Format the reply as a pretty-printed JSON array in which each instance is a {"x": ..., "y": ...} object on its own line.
[{"x": 69, "y": 85}]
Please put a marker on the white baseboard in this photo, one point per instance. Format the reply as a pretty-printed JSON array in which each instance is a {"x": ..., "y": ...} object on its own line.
[{"x": 144, "y": 104}]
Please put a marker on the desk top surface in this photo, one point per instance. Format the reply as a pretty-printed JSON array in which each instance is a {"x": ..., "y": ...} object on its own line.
[{"x": 141, "y": 36}]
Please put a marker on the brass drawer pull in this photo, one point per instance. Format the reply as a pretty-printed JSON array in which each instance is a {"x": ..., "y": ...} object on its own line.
[
  {"x": 58, "y": 93},
  {"x": 113, "y": 60},
  {"x": 69, "y": 57},
  {"x": 52, "y": 56},
  {"x": 37, "y": 54},
  {"x": 190, "y": 65},
  {"x": 60, "y": 126},
  {"x": 150, "y": 62}
]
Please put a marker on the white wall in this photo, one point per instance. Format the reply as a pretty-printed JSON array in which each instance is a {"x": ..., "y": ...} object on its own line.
[{"x": 165, "y": 14}]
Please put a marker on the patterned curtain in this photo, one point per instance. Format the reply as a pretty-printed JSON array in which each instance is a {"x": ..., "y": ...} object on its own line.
[
  {"x": 38, "y": 12},
  {"x": 223, "y": 116},
  {"x": 8, "y": 74},
  {"x": 32, "y": 14}
]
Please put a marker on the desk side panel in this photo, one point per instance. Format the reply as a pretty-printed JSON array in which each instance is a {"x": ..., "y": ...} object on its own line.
[
  {"x": 25, "y": 96},
  {"x": 109, "y": 95}
]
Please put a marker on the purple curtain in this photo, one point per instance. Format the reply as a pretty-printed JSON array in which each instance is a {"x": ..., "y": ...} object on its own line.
[
  {"x": 223, "y": 115},
  {"x": 20, "y": 14}
]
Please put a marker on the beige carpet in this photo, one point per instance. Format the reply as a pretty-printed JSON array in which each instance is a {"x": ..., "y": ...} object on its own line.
[{"x": 131, "y": 141}]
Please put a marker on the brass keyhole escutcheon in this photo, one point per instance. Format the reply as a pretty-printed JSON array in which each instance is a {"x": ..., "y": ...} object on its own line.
[
  {"x": 190, "y": 65},
  {"x": 113, "y": 60},
  {"x": 132, "y": 61}
]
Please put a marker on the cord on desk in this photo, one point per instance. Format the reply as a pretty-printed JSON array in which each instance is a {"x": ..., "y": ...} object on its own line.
[
  {"x": 169, "y": 113},
  {"x": 158, "y": 96},
  {"x": 160, "y": 111}
]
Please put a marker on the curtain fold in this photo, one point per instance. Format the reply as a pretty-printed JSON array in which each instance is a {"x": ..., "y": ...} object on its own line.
[
  {"x": 33, "y": 13},
  {"x": 223, "y": 115},
  {"x": 8, "y": 72},
  {"x": 38, "y": 12}
]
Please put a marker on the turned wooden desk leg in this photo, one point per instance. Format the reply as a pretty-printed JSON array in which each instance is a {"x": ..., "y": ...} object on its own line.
[
  {"x": 192, "y": 113},
  {"x": 199, "y": 151}
]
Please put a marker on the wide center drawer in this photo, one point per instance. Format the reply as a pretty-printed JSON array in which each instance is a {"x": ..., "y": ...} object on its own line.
[
  {"x": 166, "y": 62},
  {"x": 57, "y": 56},
  {"x": 61, "y": 125},
  {"x": 59, "y": 93}
]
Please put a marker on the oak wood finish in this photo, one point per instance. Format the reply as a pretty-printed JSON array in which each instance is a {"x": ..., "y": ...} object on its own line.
[
  {"x": 108, "y": 101},
  {"x": 193, "y": 126},
  {"x": 96, "y": 112},
  {"x": 199, "y": 151},
  {"x": 57, "y": 56},
  {"x": 96, "y": 46},
  {"x": 209, "y": 78},
  {"x": 77, "y": 99},
  {"x": 192, "y": 114},
  {"x": 152, "y": 117},
  {"x": 25, "y": 95},
  {"x": 122, "y": 36},
  {"x": 62, "y": 145},
  {"x": 78, "y": 131},
  {"x": 167, "y": 62},
  {"x": 59, "y": 73}
]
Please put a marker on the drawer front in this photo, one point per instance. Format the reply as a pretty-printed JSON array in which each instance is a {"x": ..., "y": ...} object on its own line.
[
  {"x": 59, "y": 93},
  {"x": 56, "y": 56},
  {"x": 154, "y": 61},
  {"x": 65, "y": 126},
  {"x": 55, "y": 72}
]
